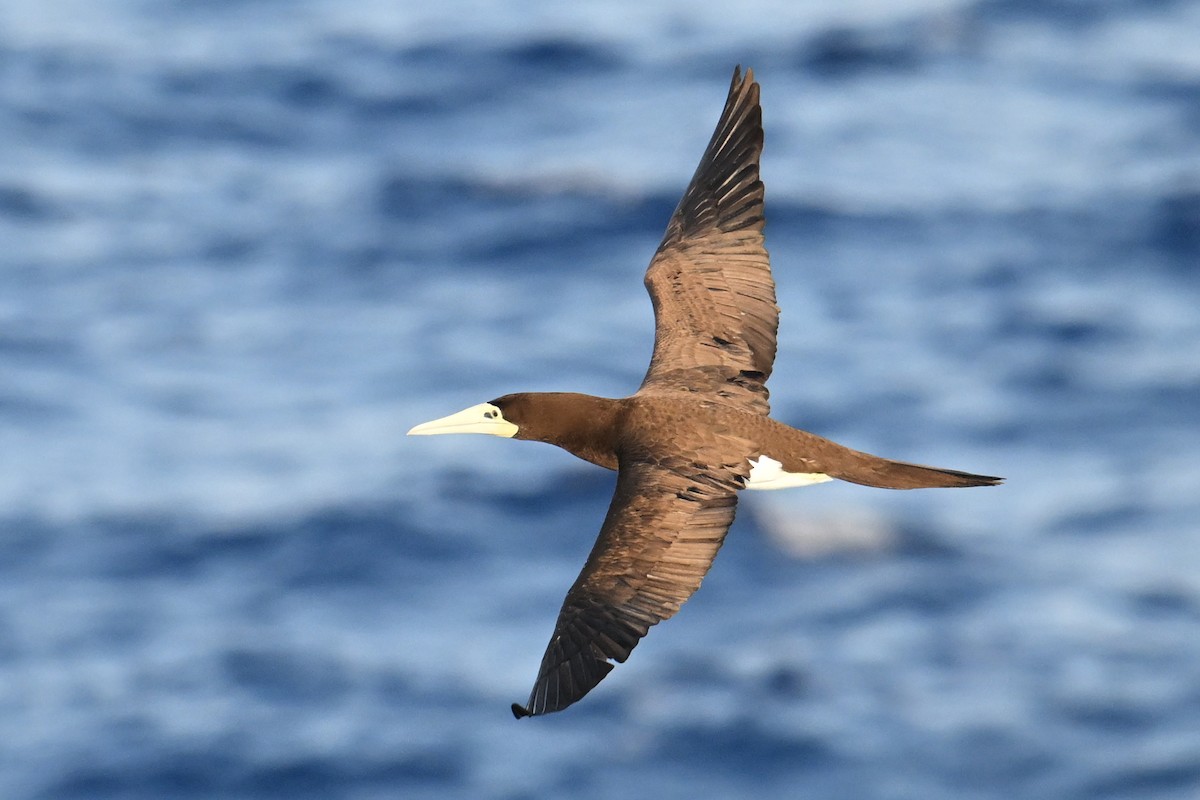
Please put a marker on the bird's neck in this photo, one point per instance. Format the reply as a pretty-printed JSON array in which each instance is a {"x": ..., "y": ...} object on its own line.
[{"x": 581, "y": 424}]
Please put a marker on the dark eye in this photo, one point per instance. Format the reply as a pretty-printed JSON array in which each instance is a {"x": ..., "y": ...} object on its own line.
[{"x": 489, "y": 414}]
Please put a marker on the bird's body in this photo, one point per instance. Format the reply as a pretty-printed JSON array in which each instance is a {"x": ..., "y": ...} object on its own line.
[{"x": 696, "y": 432}]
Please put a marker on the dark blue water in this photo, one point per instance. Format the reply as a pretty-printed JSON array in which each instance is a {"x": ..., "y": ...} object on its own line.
[{"x": 244, "y": 247}]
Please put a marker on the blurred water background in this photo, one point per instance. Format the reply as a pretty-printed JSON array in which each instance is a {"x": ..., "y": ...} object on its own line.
[{"x": 245, "y": 245}]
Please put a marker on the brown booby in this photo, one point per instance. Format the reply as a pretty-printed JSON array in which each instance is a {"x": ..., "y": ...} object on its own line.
[{"x": 695, "y": 433}]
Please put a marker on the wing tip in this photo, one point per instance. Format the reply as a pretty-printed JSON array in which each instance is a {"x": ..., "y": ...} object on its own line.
[
  {"x": 520, "y": 711},
  {"x": 744, "y": 83},
  {"x": 739, "y": 76}
]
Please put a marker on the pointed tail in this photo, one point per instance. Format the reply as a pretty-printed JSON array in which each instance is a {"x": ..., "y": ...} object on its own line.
[
  {"x": 884, "y": 473},
  {"x": 804, "y": 452}
]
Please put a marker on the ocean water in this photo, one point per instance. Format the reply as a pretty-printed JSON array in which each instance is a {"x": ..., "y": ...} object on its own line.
[{"x": 245, "y": 246}]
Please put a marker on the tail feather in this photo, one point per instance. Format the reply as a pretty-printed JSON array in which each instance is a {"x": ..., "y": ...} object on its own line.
[
  {"x": 887, "y": 474},
  {"x": 802, "y": 452}
]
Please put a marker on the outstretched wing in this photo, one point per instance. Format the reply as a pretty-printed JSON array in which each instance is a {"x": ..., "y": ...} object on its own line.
[
  {"x": 710, "y": 280},
  {"x": 664, "y": 527}
]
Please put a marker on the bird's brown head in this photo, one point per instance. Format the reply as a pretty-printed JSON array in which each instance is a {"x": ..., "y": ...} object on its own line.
[
  {"x": 521, "y": 409},
  {"x": 578, "y": 423}
]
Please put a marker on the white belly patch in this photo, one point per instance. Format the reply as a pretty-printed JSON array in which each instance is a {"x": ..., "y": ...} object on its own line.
[{"x": 767, "y": 473}]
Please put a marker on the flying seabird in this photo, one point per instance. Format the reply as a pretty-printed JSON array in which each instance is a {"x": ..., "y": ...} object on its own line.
[{"x": 697, "y": 430}]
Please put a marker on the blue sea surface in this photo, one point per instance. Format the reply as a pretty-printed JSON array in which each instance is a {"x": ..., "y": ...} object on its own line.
[{"x": 245, "y": 246}]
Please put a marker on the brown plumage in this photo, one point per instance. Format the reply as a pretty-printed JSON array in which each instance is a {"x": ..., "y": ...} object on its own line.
[{"x": 686, "y": 442}]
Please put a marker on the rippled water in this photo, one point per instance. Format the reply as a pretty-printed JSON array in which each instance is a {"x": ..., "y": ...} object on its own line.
[{"x": 246, "y": 246}]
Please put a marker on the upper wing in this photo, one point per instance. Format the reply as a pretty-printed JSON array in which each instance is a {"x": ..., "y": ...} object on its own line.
[
  {"x": 664, "y": 527},
  {"x": 710, "y": 280}
]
